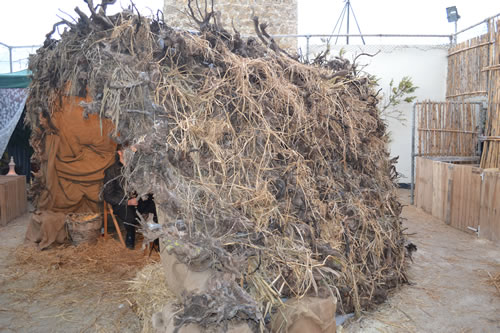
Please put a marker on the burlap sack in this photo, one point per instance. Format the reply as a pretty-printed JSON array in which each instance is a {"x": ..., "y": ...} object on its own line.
[
  {"x": 181, "y": 280},
  {"x": 308, "y": 314},
  {"x": 75, "y": 157},
  {"x": 45, "y": 228}
]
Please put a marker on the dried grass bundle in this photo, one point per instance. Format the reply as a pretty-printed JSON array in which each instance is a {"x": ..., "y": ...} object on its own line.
[{"x": 149, "y": 292}]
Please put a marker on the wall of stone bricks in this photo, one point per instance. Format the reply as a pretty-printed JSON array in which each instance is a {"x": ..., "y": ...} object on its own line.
[{"x": 281, "y": 15}]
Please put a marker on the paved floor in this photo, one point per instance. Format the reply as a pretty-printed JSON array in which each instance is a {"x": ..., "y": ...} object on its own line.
[{"x": 450, "y": 289}]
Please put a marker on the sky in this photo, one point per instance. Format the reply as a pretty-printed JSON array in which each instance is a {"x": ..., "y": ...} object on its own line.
[
  {"x": 394, "y": 16},
  {"x": 25, "y": 22}
]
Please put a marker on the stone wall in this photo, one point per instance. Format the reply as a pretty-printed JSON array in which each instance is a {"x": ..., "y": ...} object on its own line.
[{"x": 281, "y": 15}]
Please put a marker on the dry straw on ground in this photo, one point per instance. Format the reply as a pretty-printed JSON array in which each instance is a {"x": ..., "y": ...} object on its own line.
[
  {"x": 494, "y": 280},
  {"x": 265, "y": 168},
  {"x": 82, "y": 288},
  {"x": 149, "y": 293},
  {"x": 101, "y": 266}
]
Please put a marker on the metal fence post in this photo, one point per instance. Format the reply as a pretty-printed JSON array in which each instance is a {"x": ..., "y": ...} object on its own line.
[
  {"x": 412, "y": 185},
  {"x": 308, "y": 37},
  {"x": 10, "y": 57}
]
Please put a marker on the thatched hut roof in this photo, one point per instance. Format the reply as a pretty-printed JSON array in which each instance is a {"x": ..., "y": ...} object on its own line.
[{"x": 270, "y": 170}]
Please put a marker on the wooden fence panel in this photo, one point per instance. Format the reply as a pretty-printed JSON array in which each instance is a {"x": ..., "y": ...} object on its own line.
[
  {"x": 441, "y": 194},
  {"x": 462, "y": 196},
  {"x": 490, "y": 206},
  {"x": 466, "y": 197},
  {"x": 457, "y": 197},
  {"x": 447, "y": 129},
  {"x": 423, "y": 184}
]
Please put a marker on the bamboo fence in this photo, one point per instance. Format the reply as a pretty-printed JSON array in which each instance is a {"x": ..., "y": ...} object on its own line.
[
  {"x": 491, "y": 149},
  {"x": 474, "y": 71},
  {"x": 447, "y": 129},
  {"x": 466, "y": 62}
]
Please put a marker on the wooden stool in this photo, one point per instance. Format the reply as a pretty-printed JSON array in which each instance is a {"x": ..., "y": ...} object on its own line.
[{"x": 108, "y": 208}]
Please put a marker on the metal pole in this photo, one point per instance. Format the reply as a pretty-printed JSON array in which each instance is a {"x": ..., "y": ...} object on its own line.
[
  {"x": 360, "y": 35},
  {"x": 10, "y": 58},
  {"x": 483, "y": 108},
  {"x": 335, "y": 27},
  {"x": 359, "y": 30},
  {"x": 348, "y": 4},
  {"x": 412, "y": 185},
  {"x": 307, "y": 47},
  {"x": 340, "y": 26},
  {"x": 455, "y": 36}
]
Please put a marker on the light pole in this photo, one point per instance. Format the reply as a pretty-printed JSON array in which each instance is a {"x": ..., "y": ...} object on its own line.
[{"x": 452, "y": 16}]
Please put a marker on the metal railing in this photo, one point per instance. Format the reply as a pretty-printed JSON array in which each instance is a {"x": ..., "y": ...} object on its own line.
[
  {"x": 329, "y": 38},
  {"x": 452, "y": 38},
  {"x": 12, "y": 48},
  {"x": 485, "y": 21},
  {"x": 322, "y": 40}
]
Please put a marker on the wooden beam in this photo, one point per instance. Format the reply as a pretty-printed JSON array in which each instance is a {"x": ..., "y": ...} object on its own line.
[
  {"x": 451, "y": 159},
  {"x": 469, "y": 48},
  {"x": 479, "y": 92}
]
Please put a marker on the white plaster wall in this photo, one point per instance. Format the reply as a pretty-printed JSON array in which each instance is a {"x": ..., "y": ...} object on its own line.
[{"x": 427, "y": 67}]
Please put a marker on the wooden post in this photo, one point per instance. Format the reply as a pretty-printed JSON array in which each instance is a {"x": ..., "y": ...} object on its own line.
[{"x": 105, "y": 210}]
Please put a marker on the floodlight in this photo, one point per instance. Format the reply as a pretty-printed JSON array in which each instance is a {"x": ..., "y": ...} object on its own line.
[{"x": 452, "y": 14}]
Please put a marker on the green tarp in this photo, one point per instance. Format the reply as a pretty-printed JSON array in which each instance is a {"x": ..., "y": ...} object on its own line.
[{"x": 19, "y": 79}]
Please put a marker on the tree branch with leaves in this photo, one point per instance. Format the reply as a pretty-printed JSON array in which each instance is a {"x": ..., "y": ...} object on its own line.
[{"x": 398, "y": 94}]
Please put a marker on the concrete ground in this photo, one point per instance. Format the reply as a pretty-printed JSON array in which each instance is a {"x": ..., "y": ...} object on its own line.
[{"x": 449, "y": 290}]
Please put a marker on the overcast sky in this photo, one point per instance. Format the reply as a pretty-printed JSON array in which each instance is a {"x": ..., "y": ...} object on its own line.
[
  {"x": 25, "y": 22},
  {"x": 394, "y": 16}
]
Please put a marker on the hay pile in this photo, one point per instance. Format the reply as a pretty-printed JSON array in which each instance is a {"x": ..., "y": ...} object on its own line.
[
  {"x": 97, "y": 265},
  {"x": 81, "y": 288},
  {"x": 270, "y": 170}
]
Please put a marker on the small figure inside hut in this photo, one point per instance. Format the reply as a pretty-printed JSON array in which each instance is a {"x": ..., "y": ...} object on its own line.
[{"x": 125, "y": 206}]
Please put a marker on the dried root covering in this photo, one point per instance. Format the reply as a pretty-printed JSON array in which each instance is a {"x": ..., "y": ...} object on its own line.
[{"x": 274, "y": 172}]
